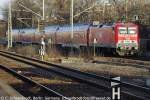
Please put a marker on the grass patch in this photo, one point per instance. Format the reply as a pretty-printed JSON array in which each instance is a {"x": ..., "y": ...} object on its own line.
[{"x": 27, "y": 51}]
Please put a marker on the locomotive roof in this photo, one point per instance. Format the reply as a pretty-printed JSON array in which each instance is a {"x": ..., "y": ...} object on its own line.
[
  {"x": 51, "y": 28},
  {"x": 54, "y": 28},
  {"x": 77, "y": 27},
  {"x": 25, "y": 30},
  {"x": 67, "y": 27},
  {"x": 125, "y": 24}
]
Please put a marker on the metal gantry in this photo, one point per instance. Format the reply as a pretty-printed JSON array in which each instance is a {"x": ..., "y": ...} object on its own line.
[{"x": 41, "y": 26}]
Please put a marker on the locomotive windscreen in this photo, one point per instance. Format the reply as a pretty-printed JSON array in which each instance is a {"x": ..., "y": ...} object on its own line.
[
  {"x": 132, "y": 30},
  {"x": 129, "y": 30},
  {"x": 122, "y": 30}
]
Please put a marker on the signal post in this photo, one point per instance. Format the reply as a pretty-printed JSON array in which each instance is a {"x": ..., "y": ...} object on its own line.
[
  {"x": 95, "y": 41},
  {"x": 42, "y": 48}
]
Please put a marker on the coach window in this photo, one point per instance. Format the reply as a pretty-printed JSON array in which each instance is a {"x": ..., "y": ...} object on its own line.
[{"x": 100, "y": 26}]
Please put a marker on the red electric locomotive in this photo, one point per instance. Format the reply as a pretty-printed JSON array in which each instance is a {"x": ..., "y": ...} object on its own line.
[{"x": 127, "y": 38}]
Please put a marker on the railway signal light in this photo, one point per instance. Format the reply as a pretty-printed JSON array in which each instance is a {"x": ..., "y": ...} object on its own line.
[
  {"x": 42, "y": 49},
  {"x": 136, "y": 17},
  {"x": 141, "y": 17},
  {"x": 96, "y": 23},
  {"x": 123, "y": 18}
]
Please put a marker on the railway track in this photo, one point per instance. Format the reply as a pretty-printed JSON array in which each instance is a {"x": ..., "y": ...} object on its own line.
[
  {"x": 129, "y": 91},
  {"x": 62, "y": 85},
  {"x": 125, "y": 62},
  {"x": 43, "y": 89}
]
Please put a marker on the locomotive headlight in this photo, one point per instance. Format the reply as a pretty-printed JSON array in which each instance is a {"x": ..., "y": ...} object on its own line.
[
  {"x": 119, "y": 46},
  {"x": 136, "y": 47}
]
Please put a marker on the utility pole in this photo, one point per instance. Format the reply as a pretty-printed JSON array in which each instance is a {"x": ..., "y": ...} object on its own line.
[
  {"x": 126, "y": 3},
  {"x": 41, "y": 21},
  {"x": 104, "y": 9},
  {"x": 9, "y": 33},
  {"x": 72, "y": 15},
  {"x": 71, "y": 20},
  {"x": 43, "y": 9},
  {"x": 43, "y": 18},
  {"x": 43, "y": 47}
]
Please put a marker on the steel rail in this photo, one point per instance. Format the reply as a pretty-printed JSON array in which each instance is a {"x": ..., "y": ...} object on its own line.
[
  {"x": 121, "y": 64},
  {"x": 28, "y": 80},
  {"x": 83, "y": 73},
  {"x": 67, "y": 73}
]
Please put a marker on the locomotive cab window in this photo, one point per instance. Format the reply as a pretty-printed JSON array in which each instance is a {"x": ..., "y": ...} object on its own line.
[
  {"x": 132, "y": 30},
  {"x": 122, "y": 30}
]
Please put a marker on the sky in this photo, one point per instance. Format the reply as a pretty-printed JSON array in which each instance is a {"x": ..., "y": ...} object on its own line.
[{"x": 2, "y": 4}]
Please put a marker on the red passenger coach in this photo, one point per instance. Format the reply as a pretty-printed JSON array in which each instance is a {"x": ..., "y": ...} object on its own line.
[{"x": 104, "y": 35}]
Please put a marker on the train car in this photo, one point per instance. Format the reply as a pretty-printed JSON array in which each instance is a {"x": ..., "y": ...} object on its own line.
[
  {"x": 63, "y": 35},
  {"x": 127, "y": 38},
  {"x": 103, "y": 37},
  {"x": 24, "y": 36},
  {"x": 122, "y": 38}
]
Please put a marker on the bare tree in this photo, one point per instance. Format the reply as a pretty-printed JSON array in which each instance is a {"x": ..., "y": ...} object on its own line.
[{"x": 58, "y": 11}]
